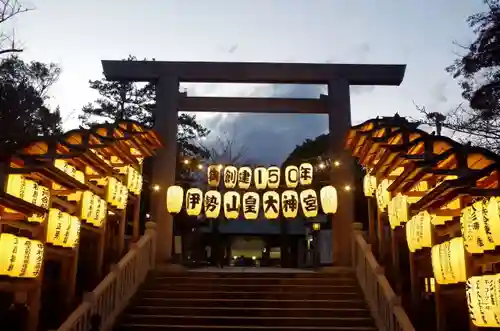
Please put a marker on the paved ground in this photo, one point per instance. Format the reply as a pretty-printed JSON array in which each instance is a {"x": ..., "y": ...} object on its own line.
[{"x": 250, "y": 269}]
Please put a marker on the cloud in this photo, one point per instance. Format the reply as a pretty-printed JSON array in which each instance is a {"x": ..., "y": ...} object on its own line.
[{"x": 269, "y": 138}]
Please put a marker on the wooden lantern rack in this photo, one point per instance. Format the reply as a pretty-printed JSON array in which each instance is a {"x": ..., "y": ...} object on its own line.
[
  {"x": 455, "y": 176},
  {"x": 96, "y": 152}
]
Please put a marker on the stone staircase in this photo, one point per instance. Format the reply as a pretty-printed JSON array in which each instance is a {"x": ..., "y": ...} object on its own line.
[{"x": 248, "y": 301}]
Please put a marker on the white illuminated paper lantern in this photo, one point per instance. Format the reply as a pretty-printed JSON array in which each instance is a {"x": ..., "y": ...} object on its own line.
[
  {"x": 194, "y": 201},
  {"x": 271, "y": 205},
  {"x": 309, "y": 202},
  {"x": 175, "y": 197},
  {"x": 260, "y": 177},
  {"x": 290, "y": 203},
  {"x": 244, "y": 177},
  {"x": 213, "y": 175},
  {"x": 212, "y": 202},
  {"x": 292, "y": 176},
  {"x": 232, "y": 204},
  {"x": 329, "y": 202},
  {"x": 251, "y": 204},
  {"x": 273, "y": 177},
  {"x": 230, "y": 176},
  {"x": 306, "y": 174}
]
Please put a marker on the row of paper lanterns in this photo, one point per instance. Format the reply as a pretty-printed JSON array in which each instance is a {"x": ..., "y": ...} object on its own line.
[
  {"x": 116, "y": 192},
  {"x": 212, "y": 201},
  {"x": 28, "y": 190},
  {"x": 483, "y": 300},
  {"x": 480, "y": 225},
  {"x": 262, "y": 177},
  {"x": 23, "y": 257},
  {"x": 68, "y": 169},
  {"x": 20, "y": 257},
  {"x": 92, "y": 208},
  {"x": 133, "y": 179}
]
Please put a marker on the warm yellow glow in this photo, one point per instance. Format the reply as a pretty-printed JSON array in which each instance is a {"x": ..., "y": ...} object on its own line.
[
  {"x": 121, "y": 196},
  {"x": 493, "y": 216},
  {"x": 213, "y": 175},
  {"x": 290, "y": 203},
  {"x": 483, "y": 300},
  {"x": 316, "y": 226},
  {"x": 382, "y": 194},
  {"x": 36, "y": 218},
  {"x": 448, "y": 262},
  {"x": 419, "y": 231},
  {"x": 329, "y": 199},
  {"x": 200, "y": 166},
  {"x": 430, "y": 285},
  {"x": 321, "y": 166},
  {"x": 28, "y": 190},
  {"x": 232, "y": 203},
  {"x": 133, "y": 179},
  {"x": 309, "y": 202},
  {"x": 397, "y": 210},
  {"x": 186, "y": 161},
  {"x": 347, "y": 188},
  {"x": 251, "y": 205},
  {"x": 19, "y": 256},
  {"x": 273, "y": 177},
  {"x": 271, "y": 204},
  {"x": 62, "y": 229},
  {"x": 260, "y": 178},
  {"x": 194, "y": 201},
  {"x": 230, "y": 176},
  {"x": 369, "y": 185},
  {"x": 292, "y": 176},
  {"x": 474, "y": 222},
  {"x": 244, "y": 177},
  {"x": 306, "y": 171},
  {"x": 175, "y": 197},
  {"x": 212, "y": 204},
  {"x": 336, "y": 163},
  {"x": 156, "y": 187},
  {"x": 68, "y": 169}
]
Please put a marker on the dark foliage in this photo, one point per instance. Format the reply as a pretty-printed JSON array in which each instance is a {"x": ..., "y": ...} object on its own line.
[
  {"x": 23, "y": 112},
  {"x": 478, "y": 73}
]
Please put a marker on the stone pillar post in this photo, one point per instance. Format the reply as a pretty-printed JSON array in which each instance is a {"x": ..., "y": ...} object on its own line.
[
  {"x": 339, "y": 106},
  {"x": 165, "y": 114}
]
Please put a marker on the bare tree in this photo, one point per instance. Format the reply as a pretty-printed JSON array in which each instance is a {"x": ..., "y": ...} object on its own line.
[
  {"x": 9, "y": 9},
  {"x": 227, "y": 149},
  {"x": 469, "y": 126}
]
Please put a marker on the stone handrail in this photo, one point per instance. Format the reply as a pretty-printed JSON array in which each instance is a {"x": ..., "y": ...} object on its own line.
[
  {"x": 384, "y": 304},
  {"x": 111, "y": 296}
]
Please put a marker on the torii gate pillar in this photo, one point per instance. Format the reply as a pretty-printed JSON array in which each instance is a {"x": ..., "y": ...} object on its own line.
[{"x": 339, "y": 122}]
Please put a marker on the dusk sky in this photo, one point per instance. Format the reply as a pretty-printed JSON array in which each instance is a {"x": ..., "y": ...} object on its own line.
[{"x": 79, "y": 34}]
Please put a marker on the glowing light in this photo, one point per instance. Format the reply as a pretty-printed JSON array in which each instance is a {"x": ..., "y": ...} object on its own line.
[
  {"x": 220, "y": 167},
  {"x": 321, "y": 165},
  {"x": 336, "y": 163},
  {"x": 186, "y": 161},
  {"x": 347, "y": 187},
  {"x": 148, "y": 215},
  {"x": 254, "y": 258},
  {"x": 156, "y": 187},
  {"x": 200, "y": 166}
]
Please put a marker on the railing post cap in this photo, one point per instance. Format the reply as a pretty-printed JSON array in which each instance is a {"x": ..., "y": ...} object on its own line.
[
  {"x": 357, "y": 226},
  {"x": 150, "y": 225}
]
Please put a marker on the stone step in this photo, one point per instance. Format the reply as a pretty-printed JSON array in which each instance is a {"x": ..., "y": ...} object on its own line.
[
  {"x": 267, "y": 321},
  {"x": 249, "y": 311},
  {"x": 219, "y": 287},
  {"x": 148, "y": 327},
  {"x": 244, "y": 303},
  {"x": 289, "y": 295},
  {"x": 160, "y": 279}
]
